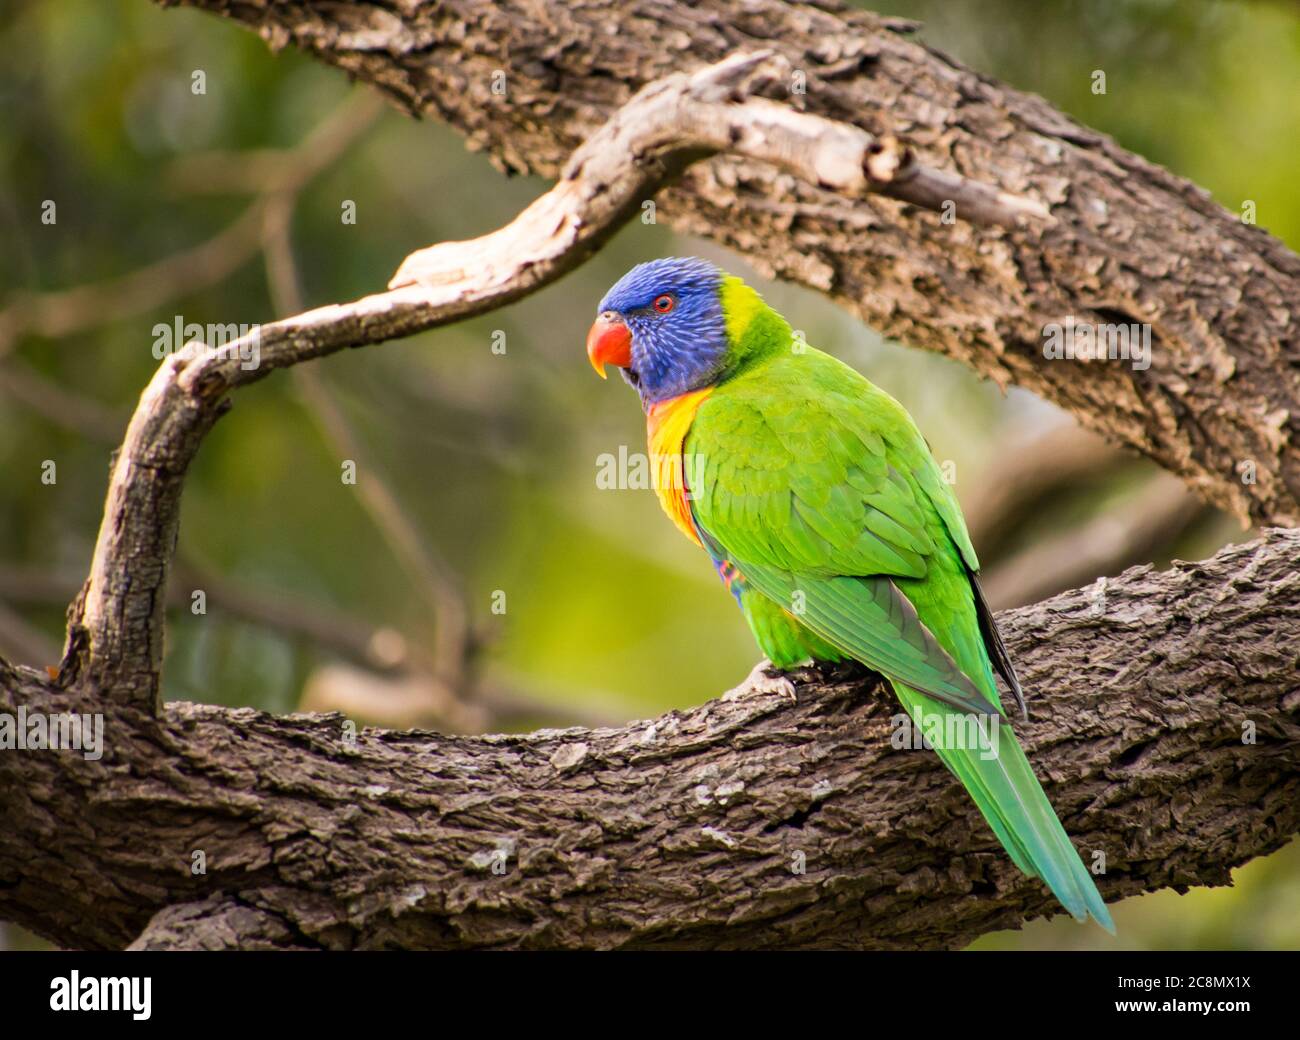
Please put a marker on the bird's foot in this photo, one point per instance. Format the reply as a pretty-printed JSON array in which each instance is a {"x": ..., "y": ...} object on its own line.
[{"x": 765, "y": 678}]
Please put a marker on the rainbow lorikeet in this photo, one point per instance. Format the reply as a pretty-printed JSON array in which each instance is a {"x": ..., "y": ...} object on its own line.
[{"x": 824, "y": 512}]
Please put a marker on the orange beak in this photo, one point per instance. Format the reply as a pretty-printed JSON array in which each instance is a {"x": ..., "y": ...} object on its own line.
[{"x": 609, "y": 343}]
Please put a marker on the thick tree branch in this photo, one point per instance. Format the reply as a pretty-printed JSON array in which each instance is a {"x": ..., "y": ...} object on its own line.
[
  {"x": 1130, "y": 242},
  {"x": 683, "y": 831}
]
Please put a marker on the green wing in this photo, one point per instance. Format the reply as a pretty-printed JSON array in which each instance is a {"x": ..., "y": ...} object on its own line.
[{"x": 821, "y": 492}]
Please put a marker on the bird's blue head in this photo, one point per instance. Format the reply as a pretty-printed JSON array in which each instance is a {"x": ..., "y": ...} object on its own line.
[{"x": 663, "y": 324}]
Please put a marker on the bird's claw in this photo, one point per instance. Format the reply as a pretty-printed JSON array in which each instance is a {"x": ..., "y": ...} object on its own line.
[{"x": 764, "y": 678}]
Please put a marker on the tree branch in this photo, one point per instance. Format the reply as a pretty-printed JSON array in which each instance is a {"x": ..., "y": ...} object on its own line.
[
  {"x": 1129, "y": 242},
  {"x": 681, "y": 832},
  {"x": 1027, "y": 469},
  {"x": 1120, "y": 536}
]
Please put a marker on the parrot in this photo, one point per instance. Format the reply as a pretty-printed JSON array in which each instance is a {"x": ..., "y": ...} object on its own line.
[{"x": 828, "y": 519}]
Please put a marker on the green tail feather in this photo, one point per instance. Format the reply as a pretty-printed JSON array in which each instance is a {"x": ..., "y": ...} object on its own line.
[{"x": 1008, "y": 794}]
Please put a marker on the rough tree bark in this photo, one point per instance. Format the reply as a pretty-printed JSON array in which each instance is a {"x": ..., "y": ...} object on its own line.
[
  {"x": 681, "y": 832},
  {"x": 1131, "y": 241},
  {"x": 684, "y": 831}
]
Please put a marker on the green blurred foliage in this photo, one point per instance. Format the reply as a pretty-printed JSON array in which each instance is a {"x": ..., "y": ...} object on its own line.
[{"x": 494, "y": 456}]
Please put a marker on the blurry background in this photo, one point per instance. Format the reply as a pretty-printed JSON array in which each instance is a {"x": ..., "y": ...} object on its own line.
[{"x": 476, "y": 467}]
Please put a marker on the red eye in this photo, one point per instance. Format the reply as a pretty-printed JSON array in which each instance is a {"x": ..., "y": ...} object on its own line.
[{"x": 663, "y": 304}]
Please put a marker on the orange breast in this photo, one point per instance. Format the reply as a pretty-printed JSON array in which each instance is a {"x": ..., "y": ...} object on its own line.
[{"x": 667, "y": 424}]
